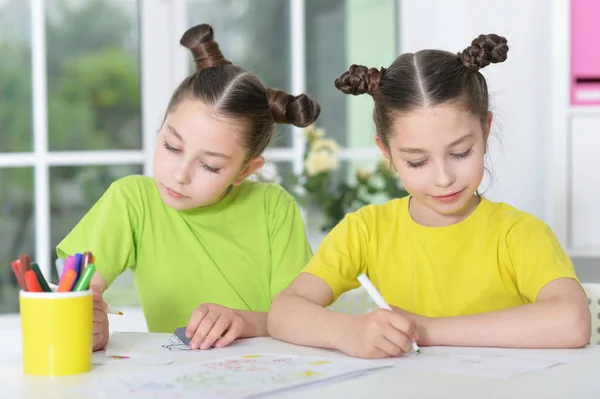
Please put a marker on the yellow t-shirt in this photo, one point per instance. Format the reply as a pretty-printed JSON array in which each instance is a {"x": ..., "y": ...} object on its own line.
[{"x": 497, "y": 258}]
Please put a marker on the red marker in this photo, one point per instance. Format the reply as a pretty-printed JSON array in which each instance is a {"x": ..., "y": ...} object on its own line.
[
  {"x": 33, "y": 285},
  {"x": 16, "y": 266},
  {"x": 25, "y": 261}
]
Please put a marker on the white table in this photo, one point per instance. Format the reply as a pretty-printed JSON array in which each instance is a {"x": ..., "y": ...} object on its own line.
[{"x": 580, "y": 379}]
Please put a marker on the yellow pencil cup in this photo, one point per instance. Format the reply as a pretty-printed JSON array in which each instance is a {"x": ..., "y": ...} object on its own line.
[{"x": 57, "y": 332}]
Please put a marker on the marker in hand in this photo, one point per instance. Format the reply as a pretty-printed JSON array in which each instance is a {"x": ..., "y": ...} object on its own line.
[{"x": 378, "y": 299}]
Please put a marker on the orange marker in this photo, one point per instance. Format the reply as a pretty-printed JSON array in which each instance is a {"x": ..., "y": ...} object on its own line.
[
  {"x": 33, "y": 285},
  {"x": 67, "y": 281}
]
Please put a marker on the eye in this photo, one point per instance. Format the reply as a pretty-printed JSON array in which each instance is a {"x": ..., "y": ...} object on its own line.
[
  {"x": 171, "y": 149},
  {"x": 463, "y": 154},
  {"x": 211, "y": 169},
  {"x": 415, "y": 164}
]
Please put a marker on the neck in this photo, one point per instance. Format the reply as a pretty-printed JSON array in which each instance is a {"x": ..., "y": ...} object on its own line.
[{"x": 427, "y": 216}]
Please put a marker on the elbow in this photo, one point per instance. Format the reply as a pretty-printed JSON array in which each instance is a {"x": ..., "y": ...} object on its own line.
[{"x": 577, "y": 326}]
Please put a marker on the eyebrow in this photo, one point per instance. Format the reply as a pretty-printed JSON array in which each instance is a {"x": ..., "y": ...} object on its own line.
[
  {"x": 453, "y": 144},
  {"x": 205, "y": 152}
]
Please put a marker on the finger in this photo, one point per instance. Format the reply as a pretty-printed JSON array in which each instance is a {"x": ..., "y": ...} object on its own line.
[
  {"x": 388, "y": 347},
  {"x": 205, "y": 326},
  {"x": 401, "y": 323},
  {"x": 234, "y": 331},
  {"x": 99, "y": 316},
  {"x": 195, "y": 321},
  {"x": 100, "y": 307},
  {"x": 216, "y": 331},
  {"x": 398, "y": 338},
  {"x": 97, "y": 328}
]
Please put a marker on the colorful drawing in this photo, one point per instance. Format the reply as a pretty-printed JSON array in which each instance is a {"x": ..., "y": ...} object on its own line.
[{"x": 234, "y": 377}]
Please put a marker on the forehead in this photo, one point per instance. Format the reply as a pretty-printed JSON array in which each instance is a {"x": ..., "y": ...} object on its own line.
[
  {"x": 203, "y": 130},
  {"x": 434, "y": 125}
]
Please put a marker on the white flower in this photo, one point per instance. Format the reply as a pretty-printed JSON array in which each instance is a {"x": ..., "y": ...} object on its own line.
[
  {"x": 300, "y": 190},
  {"x": 325, "y": 145},
  {"x": 320, "y": 161},
  {"x": 313, "y": 133},
  {"x": 268, "y": 173},
  {"x": 364, "y": 173}
]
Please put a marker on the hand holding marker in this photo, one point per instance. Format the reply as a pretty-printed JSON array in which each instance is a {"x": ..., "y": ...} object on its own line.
[
  {"x": 75, "y": 273},
  {"x": 378, "y": 299}
]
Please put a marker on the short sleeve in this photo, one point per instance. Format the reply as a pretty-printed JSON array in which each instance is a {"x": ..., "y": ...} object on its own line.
[
  {"x": 108, "y": 230},
  {"x": 342, "y": 255},
  {"x": 537, "y": 257},
  {"x": 290, "y": 249}
]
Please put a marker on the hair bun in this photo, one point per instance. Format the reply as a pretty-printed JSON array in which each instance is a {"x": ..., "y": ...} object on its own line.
[
  {"x": 483, "y": 51},
  {"x": 206, "y": 52},
  {"x": 299, "y": 110},
  {"x": 359, "y": 79}
]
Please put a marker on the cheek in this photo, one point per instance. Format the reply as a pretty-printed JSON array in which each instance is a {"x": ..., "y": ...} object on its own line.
[
  {"x": 414, "y": 180},
  {"x": 472, "y": 169}
]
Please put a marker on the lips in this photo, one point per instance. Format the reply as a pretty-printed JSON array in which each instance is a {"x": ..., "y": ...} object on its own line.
[
  {"x": 173, "y": 193},
  {"x": 448, "y": 198}
]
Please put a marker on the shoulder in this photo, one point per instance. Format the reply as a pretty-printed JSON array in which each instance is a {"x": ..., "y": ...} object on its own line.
[
  {"x": 271, "y": 195},
  {"x": 376, "y": 217},
  {"x": 517, "y": 224},
  {"x": 133, "y": 183},
  {"x": 133, "y": 190},
  {"x": 381, "y": 213}
]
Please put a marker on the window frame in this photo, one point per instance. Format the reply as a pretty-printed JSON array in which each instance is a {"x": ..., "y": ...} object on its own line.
[{"x": 162, "y": 66}]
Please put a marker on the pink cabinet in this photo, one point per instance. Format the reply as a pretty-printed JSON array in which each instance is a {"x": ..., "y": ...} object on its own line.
[{"x": 585, "y": 52}]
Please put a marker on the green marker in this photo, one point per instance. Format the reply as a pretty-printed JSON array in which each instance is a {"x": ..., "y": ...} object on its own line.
[
  {"x": 40, "y": 277},
  {"x": 84, "y": 281}
]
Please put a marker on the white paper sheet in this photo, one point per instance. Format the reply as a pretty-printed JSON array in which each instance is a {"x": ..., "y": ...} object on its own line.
[
  {"x": 234, "y": 377},
  {"x": 138, "y": 345},
  {"x": 485, "y": 362}
]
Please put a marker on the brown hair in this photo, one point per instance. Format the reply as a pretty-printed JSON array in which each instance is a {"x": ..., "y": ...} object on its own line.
[
  {"x": 235, "y": 93},
  {"x": 425, "y": 79}
]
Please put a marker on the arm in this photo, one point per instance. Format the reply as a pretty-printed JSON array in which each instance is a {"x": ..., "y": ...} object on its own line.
[
  {"x": 560, "y": 318},
  {"x": 298, "y": 314},
  {"x": 255, "y": 323}
]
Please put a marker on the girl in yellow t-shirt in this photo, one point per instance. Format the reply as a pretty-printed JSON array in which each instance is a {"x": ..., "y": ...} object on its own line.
[{"x": 457, "y": 268}]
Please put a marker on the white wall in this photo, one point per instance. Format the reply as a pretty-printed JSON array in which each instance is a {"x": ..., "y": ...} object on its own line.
[{"x": 519, "y": 88}]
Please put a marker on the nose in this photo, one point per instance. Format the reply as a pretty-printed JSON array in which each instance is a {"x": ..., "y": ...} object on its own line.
[
  {"x": 445, "y": 176},
  {"x": 183, "y": 174}
]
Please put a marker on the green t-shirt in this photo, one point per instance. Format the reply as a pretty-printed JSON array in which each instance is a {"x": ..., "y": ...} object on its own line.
[{"x": 238, "y": 253}]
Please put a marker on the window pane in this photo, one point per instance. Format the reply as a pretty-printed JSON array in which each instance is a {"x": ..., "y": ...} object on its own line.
[
  {"x": 73, "y": 191},
  {"x": 253, "y": 34},
  {"x": 93, "y": 75},
  {"x": 15, "y": 77},
  {"x": 16, "y": 229},
  {"x": 340, "y": 33}
]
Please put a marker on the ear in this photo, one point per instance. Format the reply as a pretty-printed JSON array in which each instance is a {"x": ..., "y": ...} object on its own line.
[
  {"x": 488, "y": 126},
  {"x": 486, "y": 130},
  {"x": 251, "y": 166},
  {"x": 383, "y": 148}
]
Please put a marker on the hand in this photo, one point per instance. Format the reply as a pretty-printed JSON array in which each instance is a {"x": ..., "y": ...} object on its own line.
[
  {"x": 380, "y": 333},
  {"x": 100, "y": 322},
  {"x": 211, "y": 322}
]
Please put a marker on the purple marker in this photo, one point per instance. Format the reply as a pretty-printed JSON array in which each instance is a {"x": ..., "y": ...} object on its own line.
[{"x": 70, "y": 263}]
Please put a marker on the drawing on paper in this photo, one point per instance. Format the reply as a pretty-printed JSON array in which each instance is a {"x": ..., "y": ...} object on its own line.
[{"x": 233, "y": 377}]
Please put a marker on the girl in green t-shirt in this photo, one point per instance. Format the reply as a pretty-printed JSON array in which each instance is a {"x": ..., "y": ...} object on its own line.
[{"x": 207, "y": 249}]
